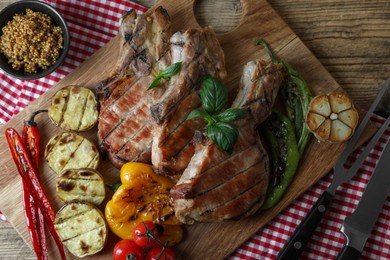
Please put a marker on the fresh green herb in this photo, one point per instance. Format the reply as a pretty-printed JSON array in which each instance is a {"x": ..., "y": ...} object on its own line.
[
  {"x": 213, "y": 96},
  {"x": 296, "y": 97},
  {"x": 170, "y": 71}
]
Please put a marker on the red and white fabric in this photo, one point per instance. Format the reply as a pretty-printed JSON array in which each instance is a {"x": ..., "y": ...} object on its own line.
[{"x": 92, "y": 24}]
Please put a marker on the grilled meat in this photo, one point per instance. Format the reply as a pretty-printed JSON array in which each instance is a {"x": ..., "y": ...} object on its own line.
[
  {"x": 125, "y": 125},
  {"x": 219, "y": 186},
  {"x": 201, "y": 55}
]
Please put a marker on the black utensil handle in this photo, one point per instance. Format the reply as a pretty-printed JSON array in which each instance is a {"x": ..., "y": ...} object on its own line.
[
  {"x": 294, "y": 247},
  {"x": 348, "y": 253}
]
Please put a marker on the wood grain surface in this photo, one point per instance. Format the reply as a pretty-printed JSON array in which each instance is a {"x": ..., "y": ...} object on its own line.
[{"x": 350, "y": 38}]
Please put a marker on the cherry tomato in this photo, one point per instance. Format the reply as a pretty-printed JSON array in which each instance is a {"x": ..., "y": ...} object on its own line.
[
  {"x": 154, "y": 254},
  {"x": 144, "y": 234},
  {"x": 127, "y": 247}
]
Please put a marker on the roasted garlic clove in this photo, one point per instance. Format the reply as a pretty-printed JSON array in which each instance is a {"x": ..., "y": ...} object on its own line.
[{"x": 332, "y": 117}]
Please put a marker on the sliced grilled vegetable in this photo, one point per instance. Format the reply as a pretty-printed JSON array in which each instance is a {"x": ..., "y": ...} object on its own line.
[
  {"x": 332, "y": 117},
  {"x": 81, "y": 184},
  {"x": 74, "y": 108},
  {"x": 143, "y": 196},
  {"x": 71, "y": 151},
  {"x": 81, "y": 227},
  {"x": 280, "y": 137}
]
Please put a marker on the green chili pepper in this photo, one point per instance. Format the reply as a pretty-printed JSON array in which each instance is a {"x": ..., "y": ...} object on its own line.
[
  {"x": 296, "y": 97},
  {"x": 280, "y": 137}
]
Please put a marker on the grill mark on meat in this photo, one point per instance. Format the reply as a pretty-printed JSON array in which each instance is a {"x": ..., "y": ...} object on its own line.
[
  {"x": 114, "y": 93},
  {"x": 215, "y": 185},
  {"x": 130, "y": 137},
  {"x": 156, "y": 109},
  {"x": 221, "y": 199},
  {"x": 133, "y": 106},
  {"x": 223, "y": 203},
  {"x": 251, "y": 210},
  {"x": 212, "y": 177},
  {"x": 142, "y": 153},
  {"x": 128, "y": 125},
  {"x": 229, "y": 179},
  {"x": 181, "y": 123},
  {"x": 256, "y": 90},
  {"x": 200, "y": 52},
  {"x": 133, "y": 149},
  {"x": 236, "y": 203},
  {"x": 173, "y": 140},
  {"x": 195, "y": 49},
  {"x": 145, "y": 50}
]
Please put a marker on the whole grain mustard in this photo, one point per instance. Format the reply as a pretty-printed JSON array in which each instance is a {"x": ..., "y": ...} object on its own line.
[{"x": 31, "y": 41}]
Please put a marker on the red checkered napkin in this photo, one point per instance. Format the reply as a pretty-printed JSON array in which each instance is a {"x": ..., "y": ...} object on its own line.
[{"x": 92, "y": 24}]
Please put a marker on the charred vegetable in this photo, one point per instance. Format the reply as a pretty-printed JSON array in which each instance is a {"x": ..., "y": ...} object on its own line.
[
  {"x": 29, "y": 175},
  {"x": 332, "y": 117},
  {"x": 82, "y": 228},
  {"x": 81, "y": 184},
  {"x": 74, "y": 108},
  {"x": 296, "y": 97},
  {"x": 143, "y": 196},
  {"x": 34, "y": 217},
  {"x": 71, "y": 151},
  {"x": 279, "y": 132}
]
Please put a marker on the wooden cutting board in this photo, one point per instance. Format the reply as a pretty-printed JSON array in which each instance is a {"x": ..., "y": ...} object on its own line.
[{"x": 205, "y": 240}]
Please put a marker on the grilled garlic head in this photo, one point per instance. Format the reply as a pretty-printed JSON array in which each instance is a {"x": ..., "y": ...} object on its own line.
[{"x": 332, "y": 117}]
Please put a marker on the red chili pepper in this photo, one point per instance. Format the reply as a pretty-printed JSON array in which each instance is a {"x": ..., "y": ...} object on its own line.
[
  {"x": 33, "y": 220},
  {"x": 34, "y": 217},
  {"x": 31, "y": 137},
  {"x": 30, "y": 177}
]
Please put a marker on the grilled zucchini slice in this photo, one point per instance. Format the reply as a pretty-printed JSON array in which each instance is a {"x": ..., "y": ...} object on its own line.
[
  {"x": 81, "y": 184},
  {"x": 71, "y": 151},
  {"x": 74, "y": 108},
  {"x": 81, "y": 228}
]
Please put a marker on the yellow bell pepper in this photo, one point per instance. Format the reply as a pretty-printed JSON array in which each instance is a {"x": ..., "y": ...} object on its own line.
[{"x": 142, "y": 196}]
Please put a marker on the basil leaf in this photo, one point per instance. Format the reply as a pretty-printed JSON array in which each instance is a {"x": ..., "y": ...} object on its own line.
[
  {"x": 169, "y": 71},
  {"x": 155, "y": 82},
  {"x": 196, "y": 113},
  {"x": 223, "y": 135},
  {"x": 213, "y": 95},
  {"x": 231, "y": 114}
]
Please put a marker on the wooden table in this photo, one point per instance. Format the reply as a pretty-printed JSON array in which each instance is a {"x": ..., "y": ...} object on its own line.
[{"x": 350, "y": 38}]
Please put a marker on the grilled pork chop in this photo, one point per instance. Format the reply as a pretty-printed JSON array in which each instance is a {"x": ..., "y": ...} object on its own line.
[
  {"x": 218, "y": 186},
  {"x": 125, "y": 125},
  {"x": 201, "y": 55}
]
